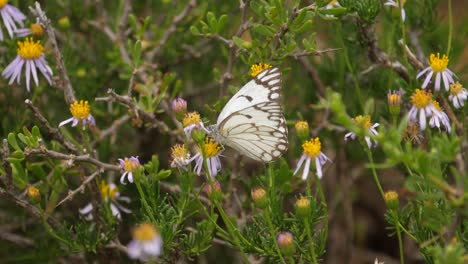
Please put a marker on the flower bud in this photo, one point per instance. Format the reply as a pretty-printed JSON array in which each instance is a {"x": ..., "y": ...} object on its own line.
[
  {"x": 302, "y": 206},
  {"x": 198, "y": 135},
  {"x": 213, "y": 190},
  {"x": 259, "y": 197},
  {"x": 302, "y": 130},
  {"x": 394, "y": 102},
  {"x": 179, "y": 106},
  {"x": 64, "y": 22},
  {"x": 391, "y": 199},
  {"x": 286, "y": 243},
  {"x": 34, "y": 194}
]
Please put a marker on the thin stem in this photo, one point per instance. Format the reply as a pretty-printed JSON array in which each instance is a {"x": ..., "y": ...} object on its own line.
[
  {"x": 407, "y": 232},
  {"x": 324, "y": 204},
  {"x": 400, "y": 241},
  {"x": 403, "y": 35},
  {"x": 311, "y": 240},
  {"x": 273, "y": 234},
  {"x": 374, "y": 171},
  {"x": 449, "y": 42}
]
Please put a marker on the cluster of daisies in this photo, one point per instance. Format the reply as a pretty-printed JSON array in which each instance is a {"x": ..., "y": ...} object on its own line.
[{"x": 30, "y": 52}]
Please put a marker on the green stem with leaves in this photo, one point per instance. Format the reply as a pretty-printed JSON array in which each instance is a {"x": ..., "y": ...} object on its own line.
[
  {"x": 311, "y": 239},
  {"x": 138, "y": 175},
  {"x": 374, "y": 171},
  {"x": 273, "y": 234}
]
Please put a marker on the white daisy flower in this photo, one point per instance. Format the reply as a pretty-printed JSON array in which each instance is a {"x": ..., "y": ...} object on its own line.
[
  {"x": 146, "y": 244},
  {"x": 458, "y": 95},
  {"x": 180, "y": 157},
  {"x": 422, "y": 106},
  {"x": 365, "y": 123},
  {"x": 312, "y": 150},
  {"x": 30, "y": 55},
  {"x": 81, "y": 113},
  {"x": 212, "y": 153},
  {"x": 439, "y": 67},
  {"x": 34, "y": 29},
  {"x": 396, "y": 4},
  {"x": 129, "y": 166},
  {"x": 110, "y": 193},
  {"x": 192, "y": 121},
  {"x": 439, "y": 117},
  {"x": 10, "y": 16}
]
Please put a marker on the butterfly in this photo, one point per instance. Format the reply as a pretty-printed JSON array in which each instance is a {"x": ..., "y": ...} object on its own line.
[{"x": 252, "y": 121}]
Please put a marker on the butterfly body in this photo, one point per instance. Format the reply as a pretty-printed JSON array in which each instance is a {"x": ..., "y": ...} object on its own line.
[{"x": 252, "y": 121}]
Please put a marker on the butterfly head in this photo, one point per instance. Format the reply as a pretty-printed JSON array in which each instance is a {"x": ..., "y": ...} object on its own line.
[{"x": 216, "y": 134}]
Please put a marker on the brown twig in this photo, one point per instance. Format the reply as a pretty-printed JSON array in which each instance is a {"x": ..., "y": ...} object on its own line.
[
  {"x": 111, "y": 130},
  {"x": 299, "y": 54},
  {"x": 72, "y": 194},
  {"x": 53, "y": 132},
  {"x": 314, "y": 75},
  {"x": 17, "y": 239},
  {"x": 377, "y": 56},
  {"x": 171, "y": 30},
  {"x": 64, "y": 82}
]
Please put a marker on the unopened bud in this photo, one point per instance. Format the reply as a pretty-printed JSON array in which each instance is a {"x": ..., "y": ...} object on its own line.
[
  {"x": 179, "y": 106},
  {"x": 34, "y": 194},
  {"x": 259, "y": 197},
  {"x": 302, "y": 130},
  {"x": 213, "y": 190},
  {"x": 198, "y": 135},
  {"x": 302, "y": 206},
  {"x": 64, "y": 22},
  {"x": 391, "y": 199},
  {"x": 394, "y": 102},
  {"x": 285, "y": 242}
]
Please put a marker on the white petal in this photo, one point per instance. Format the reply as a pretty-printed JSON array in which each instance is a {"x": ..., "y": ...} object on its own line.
[
  {"x": 422, "y": 72},
  {"x": 305, "y": 173},
  {"x": 426, "y": 81},
  {"x": 318, "y": 167},
  {"x": 87, "y": 209},
  {"x": 66, "y": 122}
]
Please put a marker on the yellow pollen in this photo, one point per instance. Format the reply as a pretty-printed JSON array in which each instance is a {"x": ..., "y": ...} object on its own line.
[
  {"x": 394, "y": 99},
  {"x": 192, "y": 118},
  {"x": 80, "y": 109},
  {"x": 312, "y": 147},
  {"x": 455, "y": 88},
  {"x": 436, "y": 105},
  {"x": 211, "y": 148},
  {"x": 29, "y": 49},
  {"x": 107, "y": 191},
  {"x": 438, "y": 64},
  {"x": 130, "y": 166},
  {"x": 301, "y": 126},
  {"x": 145, "y": 232},
  {"x": 37, "y": 30},
  {"x": 3, "y": 3},
  {"x": 303, "y": 202},
  {"x": 258, "y": 68},
  {"x": 363, "y": 121},
  {"x": 421, "y": 98},
  {"x": 179, "y": 152}
]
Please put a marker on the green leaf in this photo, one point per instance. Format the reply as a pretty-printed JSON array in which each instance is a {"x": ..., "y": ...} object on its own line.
[
  {"x": 238, "y": 41},
  {"x": 12, "y": 141},
  {"x": 221, "y": 23},
  {"x": 194, "y": 30},
  {"x": 305, "y": 27},
  {"x": 210, "y": 17},
  {"x": 136, "y": 54},
  {"x": 263, "y": 30}
]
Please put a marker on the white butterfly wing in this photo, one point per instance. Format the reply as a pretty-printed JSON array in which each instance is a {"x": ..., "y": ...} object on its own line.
[{"x": 252, "y": 122}]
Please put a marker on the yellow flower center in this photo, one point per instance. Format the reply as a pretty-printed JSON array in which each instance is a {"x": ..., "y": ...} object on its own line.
[
  {"x": 390, "y": 196},
  {"x": 301, "y": 126},
  {"x": 455, "y": 88},
  {"x": 312, "y": 147},
  {"x": 363, "y": 121},
  {"x": 421, "y": 98},
  {"x": 436, "y": 105},
  {"x": 145, "y": 232},
  {"x": 130, "y": 166},
  {"x": 33, "y": 192},
  {"x": 28, "y": 49},
  {"x": 394, "y": 99},
  {"x": 3, "y": 3},
  {"x": 211, "y": 148},
  {"x": 80, "y": 109},
  {"x": 107, "y": 191},
  {"x": 438, "y": 64},
  {"x": 37, "y": 29},
  {"x": 303, "y": 202},
  {"x": 179, "y": 152},
  {"x": 192, "y": 118},
  {"x": 258, "y": 68}
]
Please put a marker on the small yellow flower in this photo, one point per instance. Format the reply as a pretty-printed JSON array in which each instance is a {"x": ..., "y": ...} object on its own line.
[
  {"x": 108, "y": 191},
  {"x": 211, "y": 148},
  {"x": 421, "y": 98},
  {"x": 145, "y": 232},
  {"x": 303, "y": 206},
  {"x": 180, "y": 157},
  {"x": 391, "y": 199},
  {"x": 312, "y": 147},
  {"x": 302, "y": 129},
  {"x": 455, "y": 88},
  {"x": 258, "y": 68},
  {"x": 80, "y": 109},
  {"x": 192, "y": 118},
  {"x": 34, "y": 194},
  {"x": 258, "y": 195},
  {"x": 28, "y": 49},
  {"x": 37, "y": 29},
  {"x": 363, "y": 121}
]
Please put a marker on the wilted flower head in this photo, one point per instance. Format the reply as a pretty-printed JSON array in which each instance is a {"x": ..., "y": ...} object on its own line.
[
  {"x": 422, "y": 105},
  {"x": 30, "y": 55},
  {"x": 81, "y": 113},
  {"x": 458, "y": 94},
  {"x": 146, "y": 244},
  {"x": 312, "y": 150},
  {"x": 365, "y": 123},
  {"x": 439, "y": 117},
  {"x": 259, "y": 197},
  {"x": 396, "y": 4},
  {"x": 180, "y": 157},
  {"x": 34, "y": 29},
  {"x": 129, "y": 166},
  {"x": 413, "y": 133},
  {"x": 211, "y": 149},
  {"x": 191, "y": 122},
  {"x": 438, "y": 66},
  {"x": 10, "y": 16},
  {"x": 110, "y": 193},
  {"x": 285, "y": 242},
  {"x": 258, "y": 68}
]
